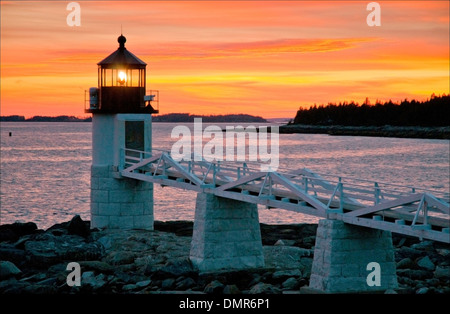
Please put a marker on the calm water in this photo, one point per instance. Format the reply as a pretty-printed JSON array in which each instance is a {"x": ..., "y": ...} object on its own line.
[{"x": 45, "y": 169}]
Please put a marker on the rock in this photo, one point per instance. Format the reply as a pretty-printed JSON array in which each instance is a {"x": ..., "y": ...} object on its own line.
[
  {"x": 9, "y": 253},
  {"x": 179, "y": 227},
  {"x": 433, "y": 282},
  {"x": 185, "y": 284},
  {"x": 285, "y": 242},
  {"x": 88, "y": 278},
  {"x": 8, "y": 270},
  {"x": 423, "y": 290},
  {"x": 129, "y": 287},
  {"x": 106, "y": 241},
  {"x": 290, "y": 283},
  {"x": 98, "y": 266},
  {"x": 415, "y": 274},
  {"x": 284, "y": 256},
  {"x": 48, "y": 281},
  {"x": 7, "y": 235},
  {"x": 47, "y": 249},
  {"x": 405, "y": 252},
  {"x": 306, "y": 266},
  {"x": 426, "y": 263},
  {"x": 406, "y": 263},
  {"x": 121, "y": 258},
  {"x": 12, "y": 232},
  {"x": 264, "y": 288},
  {"x": 231, "y": 289},
  {"x": 443, "y": 252},
  {"x": 214, "y": 287},
  {"x": 78, "y": 227},
  {"x": 177, "y": 267},
  {"x": 143, "y": 283},
  {"x": 423, "y": 246},
  {"x": 283, "y": 274},
  {"x": 442, "y": 272},
  {"x": 167, "y": 283}
]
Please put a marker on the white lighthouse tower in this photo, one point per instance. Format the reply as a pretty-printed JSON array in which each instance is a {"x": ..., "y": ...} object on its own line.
[{"x": 121, "y": 125}]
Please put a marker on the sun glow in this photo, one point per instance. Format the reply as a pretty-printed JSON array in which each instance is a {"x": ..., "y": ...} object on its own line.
[{"x": 263, "y": 58}]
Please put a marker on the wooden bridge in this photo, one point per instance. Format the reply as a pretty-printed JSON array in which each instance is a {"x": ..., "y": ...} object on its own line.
[{"x": 405, "y": 210}]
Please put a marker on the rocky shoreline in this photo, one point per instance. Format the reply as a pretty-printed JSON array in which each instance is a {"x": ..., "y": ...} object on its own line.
[{"x": 34, "y": 261}]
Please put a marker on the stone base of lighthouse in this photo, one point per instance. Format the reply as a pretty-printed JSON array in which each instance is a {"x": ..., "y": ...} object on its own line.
[{"x": 120, "y": 203}]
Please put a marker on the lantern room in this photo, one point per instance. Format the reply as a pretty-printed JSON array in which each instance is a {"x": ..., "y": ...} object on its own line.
[{"x": 121, "y": 84}]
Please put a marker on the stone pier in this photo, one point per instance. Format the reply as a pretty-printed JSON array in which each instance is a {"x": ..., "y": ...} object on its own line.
[
  {"x": 342, "y": 253},
  {"x": 226, "y": 234},
  {"x": 120, "y": 202}
]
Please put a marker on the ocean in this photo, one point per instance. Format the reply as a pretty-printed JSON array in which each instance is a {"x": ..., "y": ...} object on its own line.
[{"x": 45, "y": 169}]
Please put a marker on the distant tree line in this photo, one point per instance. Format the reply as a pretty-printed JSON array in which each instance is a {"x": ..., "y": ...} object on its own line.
[
  {"x": 171, "y": 117},
  {"x": 432, "y": 112},
  {"x": 186, "y": 117},
  {"x": 16, "y": 118}
]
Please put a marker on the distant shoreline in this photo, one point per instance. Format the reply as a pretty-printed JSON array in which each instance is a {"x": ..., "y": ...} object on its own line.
[
  {"x": 438, "y": 132},
  {"x": 376, "y": 131}
]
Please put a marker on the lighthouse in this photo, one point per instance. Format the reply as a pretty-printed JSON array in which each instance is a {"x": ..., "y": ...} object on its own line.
[{"x": 121, "y": 128}]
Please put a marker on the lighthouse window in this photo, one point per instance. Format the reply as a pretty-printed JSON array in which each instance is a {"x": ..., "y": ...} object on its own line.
[{"x": 134, "y": 135}]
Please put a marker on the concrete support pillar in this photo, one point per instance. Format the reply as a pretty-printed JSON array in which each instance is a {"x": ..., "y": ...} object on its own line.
[
  {"x": 120, "y": 203},
  {"x": 226, "y": 234},
  {"x": 342, "y": 254}
]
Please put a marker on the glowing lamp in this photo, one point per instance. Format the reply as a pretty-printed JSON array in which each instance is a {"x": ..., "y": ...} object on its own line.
[{"x": 122, "y": 78}]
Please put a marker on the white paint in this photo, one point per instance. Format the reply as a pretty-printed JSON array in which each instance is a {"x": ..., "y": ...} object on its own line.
[
  {"x": 102, "y": 139},
  {"x": 118, "y": 202}
]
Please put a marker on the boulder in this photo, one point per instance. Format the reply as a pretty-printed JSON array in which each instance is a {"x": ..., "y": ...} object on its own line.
[
  {"x": 214, "y": 287},
  {"x": 264, "y": 288},
  {"x": 129, "y": 287},
  {"x": 9, "y": 253},
  {"x": 97, "y": 266},
  {"x": 8, "y": 270},
  {"x": 47, "y": 249},
  {"x": 231, "y": 289},
  {"x": 405, "y": 252},
  {"x": 88, "y": 278},
  {"x": 12, "y": 232},
  {"x": 423, "y": 290},
  {"x": 106, "y": 241},
  {"x": 121, "y": 258},
  {"x": 167, "y": 283},
  {"x": 284, "y": 274},
  {"x": 285, "y": 242},
  {"x": 415, "y": 274},
  {"x": 285, "y": 257},
  {"x": 290, "y": 283},
  {"x": 406, "y": 263},
  {"x": 185, "y": 284},
  {"x": 424, "y": 246},
  {"x": 78, "y": 227},
  {"x": 426, "y": 263},
  {"x": 143, "y": 283},
  {"x": 442, "y": 272},
  {"x": 177, "y": 267}
]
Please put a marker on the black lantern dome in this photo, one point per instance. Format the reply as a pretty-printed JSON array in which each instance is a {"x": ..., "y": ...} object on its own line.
[{"x": 121, "y": 83}]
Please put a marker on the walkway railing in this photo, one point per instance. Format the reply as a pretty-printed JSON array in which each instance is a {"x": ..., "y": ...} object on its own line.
[{"x": 403, "y": 209}]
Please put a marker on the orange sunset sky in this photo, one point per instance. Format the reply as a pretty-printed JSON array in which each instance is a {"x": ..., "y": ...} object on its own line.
[{"x": 263, "y": 58}]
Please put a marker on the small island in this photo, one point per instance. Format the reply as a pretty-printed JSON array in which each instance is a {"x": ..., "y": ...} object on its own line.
[{"x": 408, "y": 119}]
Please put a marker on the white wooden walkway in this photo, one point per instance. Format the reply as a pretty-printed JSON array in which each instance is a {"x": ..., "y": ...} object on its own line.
[{"x": 400, "y": 209}]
